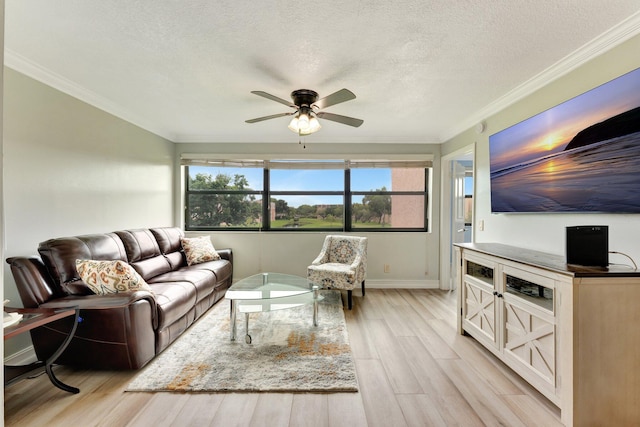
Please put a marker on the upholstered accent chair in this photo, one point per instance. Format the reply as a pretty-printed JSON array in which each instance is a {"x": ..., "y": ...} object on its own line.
[{"x": 341, "y": 264}]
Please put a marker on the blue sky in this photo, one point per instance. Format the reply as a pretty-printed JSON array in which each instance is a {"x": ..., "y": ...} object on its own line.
[{"x": 307, "y": 180}]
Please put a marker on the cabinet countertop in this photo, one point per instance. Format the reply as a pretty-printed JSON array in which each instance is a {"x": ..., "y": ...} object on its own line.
[{"x": 555, "y": 263}]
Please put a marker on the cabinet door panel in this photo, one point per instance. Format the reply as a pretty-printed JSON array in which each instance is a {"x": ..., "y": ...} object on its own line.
[
  {"x": 479, "y": 313},
  {"x": 529, "y": 340}
]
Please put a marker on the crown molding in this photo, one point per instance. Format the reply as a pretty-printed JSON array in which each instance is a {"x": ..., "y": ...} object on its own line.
[
  {"x": 611, "y": 38},
  {"x": 21, "y": 64}
]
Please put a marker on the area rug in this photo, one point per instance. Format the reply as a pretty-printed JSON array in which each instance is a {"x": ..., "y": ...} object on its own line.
[{"x": 287, "y": 354}]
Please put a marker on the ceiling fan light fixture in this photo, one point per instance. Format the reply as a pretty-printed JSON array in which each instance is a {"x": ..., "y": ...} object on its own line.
[
  {"x": 293, "y": 124},
  {"x": 307, "y": 108},
  {"x": 304, "y": 123},
  {"x": 314, "y": 124}
]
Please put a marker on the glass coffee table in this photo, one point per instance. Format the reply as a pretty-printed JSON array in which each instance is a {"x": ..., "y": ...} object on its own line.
[{"x": 270, "y": 292}]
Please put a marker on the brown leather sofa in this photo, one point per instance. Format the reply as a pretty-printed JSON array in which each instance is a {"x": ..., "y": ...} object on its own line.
[{"x": 119, "y": 331}]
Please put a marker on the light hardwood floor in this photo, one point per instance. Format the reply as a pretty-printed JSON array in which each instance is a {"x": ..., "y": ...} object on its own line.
[{"x": 413, "y": 370}]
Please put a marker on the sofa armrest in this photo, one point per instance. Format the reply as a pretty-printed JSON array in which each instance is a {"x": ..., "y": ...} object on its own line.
[
  {"x": 105, "y": 302},
  {"x": 320, "y": 259},
  {"x": 34, "y": 283},
  {"x": 113, "y": 332},
  {"x": 99, "y": 302},
  {"x": 357, "y": 261},
  {"x": 323, "y": 256},
  {"x": 226, "y": 254}
]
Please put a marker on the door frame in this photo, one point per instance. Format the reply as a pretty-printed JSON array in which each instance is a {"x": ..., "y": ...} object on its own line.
[{"x": 446, "y": 211}]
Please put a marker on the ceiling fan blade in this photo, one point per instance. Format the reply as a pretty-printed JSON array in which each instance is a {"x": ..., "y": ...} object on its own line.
[
  {"x": 273, "y": 116},
  {"x": 273, "y": 98},
  {"x": 340, "y": 119},
  {"x": 335, "y": 98}
]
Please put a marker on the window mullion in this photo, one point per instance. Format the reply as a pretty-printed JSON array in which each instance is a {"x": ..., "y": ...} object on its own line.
[
  {"x": 266, "y": 201},
  {"x": 347, "y": 200}
]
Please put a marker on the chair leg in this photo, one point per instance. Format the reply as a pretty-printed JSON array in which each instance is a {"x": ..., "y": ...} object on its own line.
[
  {"x": 349, "y": 298},
  {"x": 363, "y": 288}
]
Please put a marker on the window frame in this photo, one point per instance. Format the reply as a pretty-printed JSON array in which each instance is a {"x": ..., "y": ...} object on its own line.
[
  {"x": 188, "y": 192},
  {"x": 347, "y": 196}
]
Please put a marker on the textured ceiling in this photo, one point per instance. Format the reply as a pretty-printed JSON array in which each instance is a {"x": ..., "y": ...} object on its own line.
[{"x": 422, "y": 70}]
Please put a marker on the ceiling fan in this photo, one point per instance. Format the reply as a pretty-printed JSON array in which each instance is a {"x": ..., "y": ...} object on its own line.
[{"x": 307, "y": 108}]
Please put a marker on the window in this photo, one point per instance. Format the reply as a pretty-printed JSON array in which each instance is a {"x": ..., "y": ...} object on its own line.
[
  {"x": 224, "y": 195},
  {"x": 323, "y": 195},
  {"x": 383, "y": 196},
  {"x": 307, "y": 194}
]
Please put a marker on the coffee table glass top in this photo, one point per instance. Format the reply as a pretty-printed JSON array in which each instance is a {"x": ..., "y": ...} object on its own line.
[
  {"x": 269, "y": 286},
  {"x": 270, "y": 292}
]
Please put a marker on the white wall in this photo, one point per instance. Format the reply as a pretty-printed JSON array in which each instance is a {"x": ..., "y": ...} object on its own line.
[
  {"x": 546, "y": 232},
  {"x": 409, "y": 255},
  {"x": 413, "y": 257},
  {"x": 72, "y": 169}
]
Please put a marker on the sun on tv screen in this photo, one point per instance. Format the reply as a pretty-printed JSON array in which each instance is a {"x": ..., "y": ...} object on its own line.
[{"x": 580, "y": 156}]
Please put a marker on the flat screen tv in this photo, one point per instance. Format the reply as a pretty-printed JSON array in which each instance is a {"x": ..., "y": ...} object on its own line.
[{"x": 580, "y": 156}]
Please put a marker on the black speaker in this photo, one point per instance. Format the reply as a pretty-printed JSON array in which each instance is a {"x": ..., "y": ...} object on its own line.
[{"x": 588, "y": 245}]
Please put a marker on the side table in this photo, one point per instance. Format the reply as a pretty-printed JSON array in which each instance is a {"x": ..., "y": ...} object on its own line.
[{"x": 34, "y": 318}]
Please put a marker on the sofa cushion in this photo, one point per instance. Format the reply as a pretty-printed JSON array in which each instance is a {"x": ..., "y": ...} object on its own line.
[
  {"x": 168, "y": 239},
  {"x": 143, "y": 252},
  {"x": 203, "y": 281},
  {"x": 152, "y": 267},
  {"x": 110, "y": 277},
  {"x": 174, "y": 300},
  {"x": 139, "y": 244},
  {"x": 59, "y": 255},
  {"x": 176, "y": 260},
  {"x": 77, "y": 287},
  {"x": 222, "y": 268},
  {"x": 199, "y": 250}
]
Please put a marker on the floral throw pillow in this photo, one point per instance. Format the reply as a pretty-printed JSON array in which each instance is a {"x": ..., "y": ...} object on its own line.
[
  {"x": 199, "y": 250},
  {"x": 110, "y": 277}
]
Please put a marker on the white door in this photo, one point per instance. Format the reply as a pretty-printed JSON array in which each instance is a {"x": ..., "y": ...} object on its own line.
[
  {"x": 452, "y": 211},
  {"x": 457, "y": 213}
]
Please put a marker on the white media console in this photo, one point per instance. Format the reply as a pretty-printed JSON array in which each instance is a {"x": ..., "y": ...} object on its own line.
[{"x": 572, "y": 332}]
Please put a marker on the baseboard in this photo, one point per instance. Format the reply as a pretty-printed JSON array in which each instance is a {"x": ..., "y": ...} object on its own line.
[
  {"x": 402, "y": 284},
  {"x": 25, "y": 356}
]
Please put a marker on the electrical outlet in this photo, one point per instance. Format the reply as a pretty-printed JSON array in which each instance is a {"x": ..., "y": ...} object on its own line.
[{"x": 387, "y": 268}]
